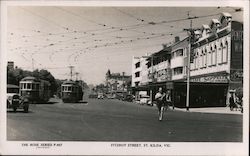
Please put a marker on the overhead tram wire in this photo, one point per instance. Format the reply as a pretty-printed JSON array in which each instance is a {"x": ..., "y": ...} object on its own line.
[
  {"x": 46, "y": 19},
  {"x": 171, "y": 21},
  {"x": 124, "y": 27},
  {"x": 155, "y": 23},
  {"x": 129, "y": 41},
  {"x": 151, "y": 23}
]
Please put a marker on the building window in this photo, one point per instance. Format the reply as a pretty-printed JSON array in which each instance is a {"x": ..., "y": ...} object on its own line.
[
  {"x": 137, "y": 65},
  {"x": 205, "y": 58},
  {"x": 213, "y": 60},
  {"x": 209, "y": 55},
  {"x": 219, "y": 54},
  {"x": 137, "y": 74},
  {"x": 177, "y": 53},
  {"x": 225, "y": 53},
  {"x": 202, "y": 59},
  {"x": 136, "y": 83},
  {"x": 178, "y": 71}
]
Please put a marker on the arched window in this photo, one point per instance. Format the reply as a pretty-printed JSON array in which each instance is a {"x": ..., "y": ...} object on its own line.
[
  {"x": 209, "y": 56},
  {"x": 225, "y": 53},
  {"x": 205, "y": 58},
  {"x": 202, "y": 59},
  {"x": 214, "y": 55},
  {"x": 220, "y": 57}
]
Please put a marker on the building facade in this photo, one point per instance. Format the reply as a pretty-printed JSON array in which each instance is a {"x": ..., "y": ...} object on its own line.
[
  {"x": 116, "y": 82},
  {"x": 10, "y": 65},
  {"x": 216, "y": 65}
]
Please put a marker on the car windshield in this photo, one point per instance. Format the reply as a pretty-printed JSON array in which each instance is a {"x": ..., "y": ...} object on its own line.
[{"x": 12, "y": 90}]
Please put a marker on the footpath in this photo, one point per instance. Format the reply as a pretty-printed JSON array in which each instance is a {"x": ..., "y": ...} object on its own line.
[{"x": 219, "y": 110}]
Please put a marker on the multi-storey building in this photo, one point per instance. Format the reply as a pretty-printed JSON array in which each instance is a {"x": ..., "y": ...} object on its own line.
[
  {"x": 154, "y": 72},
  {"x": 10, "y": 65},
  {"x": 216, "y": 66},
  {"x": 116, "y": 82}
]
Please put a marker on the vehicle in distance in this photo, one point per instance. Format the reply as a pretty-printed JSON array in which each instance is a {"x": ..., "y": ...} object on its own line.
[
  {"x": 145, "y": 99},
  {"x": 35, "y": 90},
  {"x": 14, "y": 100},
  {"x": 92, "y": 95},
  {"x": 110, "y": 96},
  {"x": 71, "y": 91},
  {"x": 100, "y": 96},
  {"x": 128, "y": 98}
]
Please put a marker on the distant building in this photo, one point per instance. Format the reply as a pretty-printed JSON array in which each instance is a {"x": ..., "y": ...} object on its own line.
[
  {"x": 10, "y": 65},
  {"x": 117, "y": 82}
]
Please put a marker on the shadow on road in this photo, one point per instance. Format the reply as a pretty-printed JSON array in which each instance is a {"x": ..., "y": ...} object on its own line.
[
  {"x": 45, "y": 103},
  {"x": 18, "y": 111},
  {"x": 80, "y": 102}
]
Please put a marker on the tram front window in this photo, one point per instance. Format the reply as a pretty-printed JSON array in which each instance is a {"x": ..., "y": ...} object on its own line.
[
  {"x": 70, "y": 88},
  {"x": 33, "y": 86},
  {"x": 28, "y": 86},
  {"x": 37, "y": 86}
]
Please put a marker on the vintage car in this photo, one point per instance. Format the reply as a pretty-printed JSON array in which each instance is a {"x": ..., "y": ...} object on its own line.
[
  {"x": 14, "y": 100},
  {"x": 100, "y": 96}
]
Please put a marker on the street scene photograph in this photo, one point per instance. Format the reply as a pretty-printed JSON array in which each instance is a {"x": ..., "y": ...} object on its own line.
[{"x": 124, "y": 74}]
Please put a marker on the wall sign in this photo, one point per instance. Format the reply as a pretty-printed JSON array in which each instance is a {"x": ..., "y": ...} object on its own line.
[
  {"x": 236, "y": 75},
  {"x": 211, "y": 79}
]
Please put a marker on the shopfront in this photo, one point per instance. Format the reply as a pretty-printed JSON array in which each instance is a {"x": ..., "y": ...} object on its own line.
[{"x": 205, "y": 91}]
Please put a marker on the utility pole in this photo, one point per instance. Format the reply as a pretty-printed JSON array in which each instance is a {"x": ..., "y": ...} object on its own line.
[
  {"x": 190, "y": 34},
  {"x": 77, "y": 76},
  {"x": 123, "y": 84},
  {"x": 32, "y": 64},
  {"x": 71, "y": 71}
]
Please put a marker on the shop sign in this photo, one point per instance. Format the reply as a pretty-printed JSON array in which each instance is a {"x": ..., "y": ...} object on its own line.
[
  {"x": 211, "y": 79},
  {"x": 163, "y": 75},
  {"x": 236, "y": 75}
]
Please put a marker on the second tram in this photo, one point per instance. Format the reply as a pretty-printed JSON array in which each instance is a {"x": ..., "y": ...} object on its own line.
[{"x": 71, "y": 91}]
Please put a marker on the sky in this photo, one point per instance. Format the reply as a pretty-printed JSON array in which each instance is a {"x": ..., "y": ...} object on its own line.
[{"x": 95, "y": 39}]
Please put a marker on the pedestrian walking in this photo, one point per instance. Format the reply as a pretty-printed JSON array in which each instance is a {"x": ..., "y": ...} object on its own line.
[
  {"x": 160, "y": 98},
  {"x": 168, "y": 99},
  {"x": 232, "y": 104}
]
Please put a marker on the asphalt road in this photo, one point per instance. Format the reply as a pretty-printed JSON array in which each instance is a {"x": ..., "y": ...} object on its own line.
[{"x": 114, "y": 120}]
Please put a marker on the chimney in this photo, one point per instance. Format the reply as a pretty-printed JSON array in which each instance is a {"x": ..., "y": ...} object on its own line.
[{"x": 176, "y": 39}]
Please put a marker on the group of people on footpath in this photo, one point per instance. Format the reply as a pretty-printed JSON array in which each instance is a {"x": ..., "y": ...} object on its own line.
[{"x": 235, "y": 102}]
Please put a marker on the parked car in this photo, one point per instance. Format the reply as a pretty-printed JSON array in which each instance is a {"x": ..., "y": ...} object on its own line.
[
  {"x": 110, "y": 96},
  {"x": 145, "y": 99},
  {"x": 128, "y": 98},
  {"x": 14, "y": 100},
  {"x": 119, "y": 96},
  {"x": 100, "y": 96},
  {"x": 93, "y": 96}
]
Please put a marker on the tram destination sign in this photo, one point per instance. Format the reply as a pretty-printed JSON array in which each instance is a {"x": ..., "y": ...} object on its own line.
[{"x": 211, "y": 79}]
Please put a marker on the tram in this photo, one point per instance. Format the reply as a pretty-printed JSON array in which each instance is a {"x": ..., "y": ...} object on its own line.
[
  {"x": 35, "y": 90},
  {"x": 71, "y": 91}
]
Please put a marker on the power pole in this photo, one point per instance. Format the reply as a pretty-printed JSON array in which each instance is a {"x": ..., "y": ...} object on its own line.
[
  {"x": 71, "y": 71},
  {"x": 77, "y": 76},
  {"x": 32, "y": 64},
  {"x": 190, "y": 34}
]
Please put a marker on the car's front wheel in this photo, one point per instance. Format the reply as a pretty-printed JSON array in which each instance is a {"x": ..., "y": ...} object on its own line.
[
  {"x": 14, "y": 109},
  {"x": 26, "y": 109}
]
